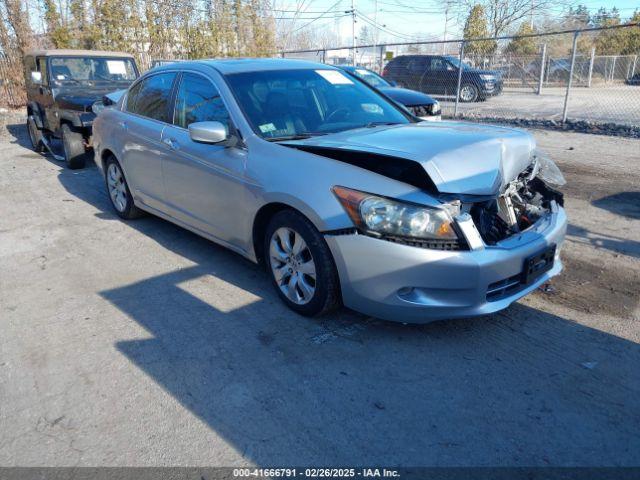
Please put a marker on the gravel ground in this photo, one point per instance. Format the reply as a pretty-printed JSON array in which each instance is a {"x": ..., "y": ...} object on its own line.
[
  {"x": 618, "y": 104},
  {"x": 142, "y": 344}
]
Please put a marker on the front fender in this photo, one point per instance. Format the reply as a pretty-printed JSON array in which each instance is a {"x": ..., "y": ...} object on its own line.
[
  {"x": 77, "y": 119},
  {"x": 333, "y": 218}
]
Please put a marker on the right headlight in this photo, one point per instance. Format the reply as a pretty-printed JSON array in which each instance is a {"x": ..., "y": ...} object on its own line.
[
  {"x": 548, "y": 171},
  {"x": 384, "y": 216}
]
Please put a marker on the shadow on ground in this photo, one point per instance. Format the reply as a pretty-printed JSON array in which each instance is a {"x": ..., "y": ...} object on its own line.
[
  {"x": 525, "y": 387},
  {"x": 605, "y": 241},
  {"x": 626, "y": 204}
]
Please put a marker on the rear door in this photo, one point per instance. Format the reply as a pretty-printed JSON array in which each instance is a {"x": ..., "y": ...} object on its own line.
[
  {"x": 148, "y": 112},
  {"x": 418, "y": 68},
  {"x": 397, "y": 70},
  {"x": 205, "y": 185}
]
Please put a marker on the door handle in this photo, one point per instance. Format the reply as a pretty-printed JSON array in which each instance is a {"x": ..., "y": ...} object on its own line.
[
  {"x": 124, "y": 125},
  {"x": 171, "y": 143}
]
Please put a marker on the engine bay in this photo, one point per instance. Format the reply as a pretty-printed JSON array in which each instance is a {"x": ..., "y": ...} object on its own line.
[{"x": 522, "y": 203}]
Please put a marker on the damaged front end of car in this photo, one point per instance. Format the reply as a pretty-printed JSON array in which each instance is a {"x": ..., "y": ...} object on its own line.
[
  {"x": 482, "y": 226},
  {"x": 523, "y": 201},
  {"x": 501, "y": 185}
]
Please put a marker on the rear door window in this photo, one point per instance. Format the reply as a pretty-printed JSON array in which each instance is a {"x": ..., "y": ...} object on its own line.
[
  {"x": 419, "y": 64},
  {"x": 150, "y": 98}
]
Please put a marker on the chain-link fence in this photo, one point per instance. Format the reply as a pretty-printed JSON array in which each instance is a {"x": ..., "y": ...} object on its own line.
[
  {"x": 588, "y": 75},
  {"x": 12, "y": 92},
  {"x": 554, "y": 77}
]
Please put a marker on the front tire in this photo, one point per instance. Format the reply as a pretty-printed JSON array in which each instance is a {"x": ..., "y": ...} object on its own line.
[
  {"x": 118, "y": 190},
  {"x": 73, "y": 144},
  {"x": 35, "y": 135},
  {"x": 469, "y": 93},
  {"x": 300, "y": 265}
]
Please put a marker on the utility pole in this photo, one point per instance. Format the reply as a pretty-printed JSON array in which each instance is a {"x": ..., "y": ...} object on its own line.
[
  {"x": 446, "y": 22},
  {"x": 375, "y": 32},
  {"x": 353, "y": 32},
  {"x": 533, "y": 7}
]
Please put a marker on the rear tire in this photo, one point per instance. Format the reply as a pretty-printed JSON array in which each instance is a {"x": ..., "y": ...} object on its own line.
[
  {"x": 300, "y": 265},
  {"x": 73, "y": 144},
  {"x": 118, "y": 191},
  {"x": 35, "y": 135}
]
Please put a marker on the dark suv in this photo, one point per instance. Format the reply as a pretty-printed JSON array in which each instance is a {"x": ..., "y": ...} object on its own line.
[
  {"x": 64, "y": 93},
  {"x": 438, "y": 75}
]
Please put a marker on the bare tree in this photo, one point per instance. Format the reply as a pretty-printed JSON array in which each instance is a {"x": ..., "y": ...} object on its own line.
[
  {"x": 17, "y": 20},
  {"x": 504, "y": 16}
]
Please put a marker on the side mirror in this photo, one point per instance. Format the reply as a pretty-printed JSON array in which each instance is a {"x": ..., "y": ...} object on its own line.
[
  {"x": 208, "y": 132},
  {"x": 393, "y": 83},
  {"x": 36, "y": 78}
]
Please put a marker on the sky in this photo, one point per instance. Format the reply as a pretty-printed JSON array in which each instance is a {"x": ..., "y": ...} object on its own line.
[{"x": 403, "y": 20}]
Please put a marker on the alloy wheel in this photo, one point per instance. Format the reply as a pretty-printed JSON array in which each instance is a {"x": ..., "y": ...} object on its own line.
[
  {"x": 467, "y": 93},
  {"x": 117, "y": 187},
  {"x": 292, "y": 265}
]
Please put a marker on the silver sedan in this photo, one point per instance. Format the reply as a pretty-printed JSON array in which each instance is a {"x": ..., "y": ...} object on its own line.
[{"x": 345, "y": 197}]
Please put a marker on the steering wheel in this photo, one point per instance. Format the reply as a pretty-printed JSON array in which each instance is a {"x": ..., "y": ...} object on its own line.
[{"x": 340, "y": 110}]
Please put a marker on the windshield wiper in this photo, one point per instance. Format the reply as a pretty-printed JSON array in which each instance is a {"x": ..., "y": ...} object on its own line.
[
  {"x": 299, "y": 136},
  {"x": 377, "y": 124}
]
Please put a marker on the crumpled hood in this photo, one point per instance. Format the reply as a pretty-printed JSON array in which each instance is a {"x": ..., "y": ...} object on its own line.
[{"x": 462, "y": 158}]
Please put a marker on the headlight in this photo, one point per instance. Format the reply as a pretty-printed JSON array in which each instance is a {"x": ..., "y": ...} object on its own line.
[
  {"x": 435, "y": 109},
  {"x": 487, "y": 78},
  {"x": 97, "y": 107},
  {"x": 548, "y": 171},
  {"x": 385, "y": 216}
]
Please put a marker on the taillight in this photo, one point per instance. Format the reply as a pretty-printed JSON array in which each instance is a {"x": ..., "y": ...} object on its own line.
[{"x": 385, "y": 72}]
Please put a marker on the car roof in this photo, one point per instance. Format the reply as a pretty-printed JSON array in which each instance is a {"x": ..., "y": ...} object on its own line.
[
  {"x": 227, "y": 66},
  {"x": 61, "y": 52},
  {"x": 352, "y": 68},
  {"x": 418, "y": 55}
]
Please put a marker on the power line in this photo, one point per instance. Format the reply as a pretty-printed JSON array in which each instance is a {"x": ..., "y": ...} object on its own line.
[
  {"x": 483, "y": 39},
  {"x": 384, "y": 28},
  {"x": 317, "y": 18}
]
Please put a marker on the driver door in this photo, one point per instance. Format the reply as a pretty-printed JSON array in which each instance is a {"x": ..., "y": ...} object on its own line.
[
  {"x": 204, "y": 183},
  {"x": 448, "y": 75}
]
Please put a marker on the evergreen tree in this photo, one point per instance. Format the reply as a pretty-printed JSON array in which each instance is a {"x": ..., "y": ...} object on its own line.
[
  {"x": 59, "y": 34},
  {"x": 609, "y": 42},
  {"x": 526, "y": 45},
  {"x": 476, "y": 27}
]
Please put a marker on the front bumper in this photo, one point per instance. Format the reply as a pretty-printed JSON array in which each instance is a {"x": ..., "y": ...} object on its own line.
[
  {"x": 416, "y": 285},
  {"x": 491, "y": 88},
  {"x": 86, "y": 119}
]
